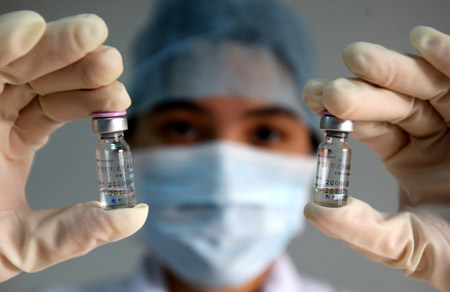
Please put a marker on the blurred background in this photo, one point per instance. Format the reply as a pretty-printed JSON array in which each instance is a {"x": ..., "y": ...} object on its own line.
[{"x": 64, "y": 171}]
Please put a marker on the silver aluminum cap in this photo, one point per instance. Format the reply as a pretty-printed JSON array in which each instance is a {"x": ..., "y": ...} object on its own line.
[
  {"x": 331, "y": 123},
  {"x": 109, "y": 125}
]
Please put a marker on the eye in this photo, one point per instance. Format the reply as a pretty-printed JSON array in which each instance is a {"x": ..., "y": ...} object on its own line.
[
  {"x": 266, "y": 135},
  {"x": 181, "y": 128},
  {"x": 180, "y": 131}
]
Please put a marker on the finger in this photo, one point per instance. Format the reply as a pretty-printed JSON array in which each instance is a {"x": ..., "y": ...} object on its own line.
[
  {"x": 45, "y": 114},
  {"x": 30, "y": 131},
  {"x": 382, "y": 138},
  {"x": 433, "y": 45},
  {"x": 64, "y": 42},
  {"x": 12, "y": 100},
  {"x": 97, "y": 69},
  {"x": 35, "y": 240},
  {"x": 19, "y": 33},
  {"x": 354, "y": 99},
  {"x": 409, "y": 75},
  {"x": 442, "y": 106},
  {"x": 312, "y": 94},
  {"x": 79, "y": 104}
]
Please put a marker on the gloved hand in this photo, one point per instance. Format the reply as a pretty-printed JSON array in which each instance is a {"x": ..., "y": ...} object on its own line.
[
  {"x": 401, "y": 104},
  {"x": 51, "y": 74}
]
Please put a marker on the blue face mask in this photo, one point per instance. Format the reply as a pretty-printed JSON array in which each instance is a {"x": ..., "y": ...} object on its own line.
[{"x": 221, "y": 213}]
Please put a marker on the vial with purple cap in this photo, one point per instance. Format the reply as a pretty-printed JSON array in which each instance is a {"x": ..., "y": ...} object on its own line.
[
  {"x": 333, "y": 162},
  {"x": 115, "y": 170}
]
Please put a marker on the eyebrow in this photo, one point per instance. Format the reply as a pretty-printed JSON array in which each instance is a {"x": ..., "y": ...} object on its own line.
[
  {"x": 178, "y": 104},
  {"x": 271, "y": 111},
  {"x": 268, "y": 111}
]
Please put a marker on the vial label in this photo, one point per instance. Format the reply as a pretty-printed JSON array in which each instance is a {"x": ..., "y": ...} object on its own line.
[
  {"x": 116, "y": 181},
  {"x": 332, "y": 177},
  {"x": 111, "y": 199}
]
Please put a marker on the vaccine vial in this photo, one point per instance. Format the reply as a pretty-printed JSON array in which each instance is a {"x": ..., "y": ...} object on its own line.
[
  {"x": 333, "y": 162},
  {"x": 115, "y": 170}
]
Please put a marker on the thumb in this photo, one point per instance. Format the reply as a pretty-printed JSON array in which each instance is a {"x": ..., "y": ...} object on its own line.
[
  {"x": 416, "y": 240},
  {"x": 384, "y": 238},
  {"x": 34, "y": 240}
]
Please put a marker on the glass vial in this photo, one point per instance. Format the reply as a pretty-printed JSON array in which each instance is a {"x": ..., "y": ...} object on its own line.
[
  {"x": 115, "y": 170},
  {"x": 333, "y": 163}
]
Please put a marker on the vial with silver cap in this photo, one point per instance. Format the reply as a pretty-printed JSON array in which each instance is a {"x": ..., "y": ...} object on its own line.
[
  {"x": 333, "y": 162},
  {"x": 115, "y": 170}
]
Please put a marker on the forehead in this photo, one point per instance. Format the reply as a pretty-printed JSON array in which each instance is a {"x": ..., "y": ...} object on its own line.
[{"x": 225, "y": 107}]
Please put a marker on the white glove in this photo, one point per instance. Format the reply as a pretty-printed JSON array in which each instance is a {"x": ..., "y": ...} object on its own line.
[
  {"x": 51, "y": 74},
  {"x": 401, "y": 104}
]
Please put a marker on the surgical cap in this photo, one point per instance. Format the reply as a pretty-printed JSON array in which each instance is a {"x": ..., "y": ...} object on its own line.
[{"x": 237, "y": 48}]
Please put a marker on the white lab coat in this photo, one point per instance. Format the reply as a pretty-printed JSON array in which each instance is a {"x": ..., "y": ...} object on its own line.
[{"x": 283, "y": 277}]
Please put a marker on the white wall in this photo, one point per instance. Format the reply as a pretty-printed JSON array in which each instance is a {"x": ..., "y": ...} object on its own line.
[{"x": 64, "y": 171}]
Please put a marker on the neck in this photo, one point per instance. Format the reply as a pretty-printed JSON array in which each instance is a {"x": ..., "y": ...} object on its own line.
[{"x": 177, "y": 285}]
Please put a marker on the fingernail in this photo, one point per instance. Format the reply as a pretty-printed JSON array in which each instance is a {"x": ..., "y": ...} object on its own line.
[{"x": 421, "y": 38}]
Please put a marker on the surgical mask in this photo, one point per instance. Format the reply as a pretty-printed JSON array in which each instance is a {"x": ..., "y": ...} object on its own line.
[{"x": 221, "y": 213}]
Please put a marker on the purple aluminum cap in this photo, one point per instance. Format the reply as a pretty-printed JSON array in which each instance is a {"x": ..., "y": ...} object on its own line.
[
  {"x": 326, "y": 113},
  {"x": 108, "y": 114},
  {"x": 109, "y": 122}
]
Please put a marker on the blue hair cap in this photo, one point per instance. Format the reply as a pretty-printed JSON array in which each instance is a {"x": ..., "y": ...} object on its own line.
[{"x": 189, "y": 49}]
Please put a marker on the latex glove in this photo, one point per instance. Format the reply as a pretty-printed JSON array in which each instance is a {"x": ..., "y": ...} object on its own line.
[
  {"x": 401, "y": 104},
  {"x": 51, "y": 74}
]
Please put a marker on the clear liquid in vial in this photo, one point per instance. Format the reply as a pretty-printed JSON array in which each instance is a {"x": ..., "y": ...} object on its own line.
[
  {"x": 333, "y": 172},
  {"x": 115, "y": 172}
]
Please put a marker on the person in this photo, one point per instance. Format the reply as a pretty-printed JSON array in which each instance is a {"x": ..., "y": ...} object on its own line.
[{"x": 222, "y": 145}]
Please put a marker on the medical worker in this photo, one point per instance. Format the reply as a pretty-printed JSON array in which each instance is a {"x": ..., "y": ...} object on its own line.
[{"x": 222, "y": 145}]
